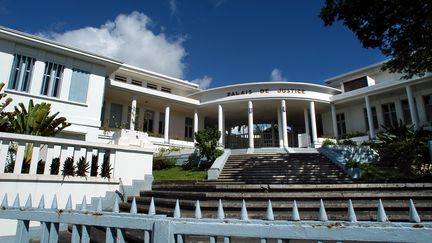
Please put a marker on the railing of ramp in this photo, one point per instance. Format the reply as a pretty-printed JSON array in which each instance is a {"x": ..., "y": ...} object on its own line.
[{"x": 163, "y": 229}]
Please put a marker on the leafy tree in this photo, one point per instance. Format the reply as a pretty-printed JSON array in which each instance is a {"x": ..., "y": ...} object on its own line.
[
  {"x": 3, "y": 116},
  {"x": 400, "y": 29},
  {"x": 404, "y": 148},
  {"x": 36, "y": 120},
  {"x": 207, "y": 143},
  {"x": 82, "y": 167}
]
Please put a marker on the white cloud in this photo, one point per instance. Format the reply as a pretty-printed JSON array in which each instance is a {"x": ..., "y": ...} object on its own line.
[
  {"x": 276, "y": 75},
  {"x": 129, "y": 39},
  {"x": 203, "y": 82}
]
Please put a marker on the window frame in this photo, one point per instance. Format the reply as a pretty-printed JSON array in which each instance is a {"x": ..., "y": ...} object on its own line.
[
  {"x": 52, "y": 81},
  {"x": 17, "y": 76}
]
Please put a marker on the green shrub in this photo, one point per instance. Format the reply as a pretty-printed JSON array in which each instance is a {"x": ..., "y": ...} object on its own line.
[
  {"x": 106, "y": 166},
  {"x": 328, "y": 142},
  {"x": 160, "y": 163},
  {"x": 68, "y": 167},
  {"x": 352, "y": 164},
  {"x": 207, "y": 142},
  {"x": 94, "y": 165},
  {"x": 82, "y": 167},
  {"x": 348, "y": 142},
  {"x": 40, "y": 167},
  {"x": 55, "y": 166},
  {"x": 403, "y": 147}
]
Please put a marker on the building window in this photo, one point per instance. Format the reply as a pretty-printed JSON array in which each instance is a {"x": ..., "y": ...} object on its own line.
[
  {"x": 188, "y": 128},
  {"x": 136, "y": 82},
  {"x": 120, "y": 78},
  {"x": 165, "y": 89},
  {"x": 79, "y": 86},
  {"x": 137, "y": 112},
  {"x": 52, "y": 78},
  {"x": 161, "y": 123},
  {"x": 428, "y": 107},
  {"x": 374, "y": 118},
  {"x": 148, "y": 121},
  {"x": 340, "y": 121},
  {"x": 355, "y": 84},
  {"x": 116, "y": 114},
  {"x": 389, "y": 114},
  {"x": 21, "y": 73},
  {"x": 151, "y": 86}
]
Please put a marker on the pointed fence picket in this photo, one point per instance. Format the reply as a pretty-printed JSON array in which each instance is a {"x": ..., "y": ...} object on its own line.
[{"x": 163, "y": 229}]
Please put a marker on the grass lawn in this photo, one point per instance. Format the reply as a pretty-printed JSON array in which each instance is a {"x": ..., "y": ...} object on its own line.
[{"x": 177, "y": 173}]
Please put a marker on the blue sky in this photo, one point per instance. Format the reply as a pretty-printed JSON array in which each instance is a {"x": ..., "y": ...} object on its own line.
[{"x": 211, "y": 42}]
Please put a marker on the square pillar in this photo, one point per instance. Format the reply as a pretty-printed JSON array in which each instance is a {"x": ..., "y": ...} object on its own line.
[
  {"x": 411, "y": 103},
  {"x": 250, "y": 124},
  {"x": 284, "y": 124},
  {"x": 280, "y": 127},
  {"x": 195, "y": 123},
  {"x": 167, "y": 124},
  {"x": 307, "y": 127},
  {"x": 370, "y": 118},
  {"x": 313, "y": 123},
  {"x": 221, "y": 125},
  {"x": 334, "y": 121},
  {"x": 133, "y": 114}
]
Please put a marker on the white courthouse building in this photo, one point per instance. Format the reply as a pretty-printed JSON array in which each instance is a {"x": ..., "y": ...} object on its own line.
[{"x": 98, "y": 94}]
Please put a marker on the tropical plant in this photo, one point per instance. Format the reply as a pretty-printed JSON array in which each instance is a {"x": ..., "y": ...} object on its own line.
[
  {"x": 36, "y": 120},
  {"x": 68, "y": 167},
  {"x": 40, "y": 167},
  {"x": 352, "y": 164},
  {"x": 404, "y": 147},
  {"x": 106, "y": 166},
  {"x": 82, "y": 167},
  {"x": 207, "y": 143},
  {"x": 55, "y": 166},
  {"x": 328, "y": 142},
  {"x": 3, "y": 117},
  {"x": 94, "y": 165},
  {"x": 347, "y": 142}
]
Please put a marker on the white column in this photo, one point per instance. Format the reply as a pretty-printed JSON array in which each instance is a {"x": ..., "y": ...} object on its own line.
[
  {"x": 167, "y": 124},
  {"x": 133, "y": 114},
  {"x": 306, "y": 120},
  {"x": 370, "y": 118},
  {"x": 412, "y": 108},
  {"x": 334, "y": 121},
  {"x": 250, "y": 124},
  {"x": 195, "y": 125},
  {"x": 280, "y": 126},
  {"x": 284, "y": 124},
  {"x": 313, "y": 123},
  {"x": 220, "y": 124}
]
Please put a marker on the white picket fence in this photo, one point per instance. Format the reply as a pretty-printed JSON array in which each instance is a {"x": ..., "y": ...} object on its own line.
[{"x": 163, "y": 229}]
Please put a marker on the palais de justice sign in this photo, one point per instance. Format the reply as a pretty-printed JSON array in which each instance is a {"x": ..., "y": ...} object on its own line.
[{"x": 265, "y": 91}]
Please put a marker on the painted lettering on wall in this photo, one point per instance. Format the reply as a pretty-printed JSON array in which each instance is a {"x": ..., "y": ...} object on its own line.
[
  {"x": 266, "y": 91},
  {"x": 291, "y": 91},
  {"x": 242, "y": 92}
]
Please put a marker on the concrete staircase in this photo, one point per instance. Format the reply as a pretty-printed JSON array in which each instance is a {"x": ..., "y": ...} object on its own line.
[
  {"x": 304, "y": 168},
  {"x": 395, "y": 198},
  {"x": 283, "y": 178}
]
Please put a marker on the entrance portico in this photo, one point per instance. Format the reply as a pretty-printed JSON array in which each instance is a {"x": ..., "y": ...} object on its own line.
[{"x": 271, "y": 114}]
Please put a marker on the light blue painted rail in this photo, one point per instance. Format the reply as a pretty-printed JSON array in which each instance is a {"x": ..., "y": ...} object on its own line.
[{"x": 162, "y": 229}]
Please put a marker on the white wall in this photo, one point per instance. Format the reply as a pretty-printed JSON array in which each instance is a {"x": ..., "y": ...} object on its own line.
[{"x": 85, "y": 117}]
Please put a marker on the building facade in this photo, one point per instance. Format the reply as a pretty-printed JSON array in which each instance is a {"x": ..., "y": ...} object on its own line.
[{"x": 100, "y": 95}]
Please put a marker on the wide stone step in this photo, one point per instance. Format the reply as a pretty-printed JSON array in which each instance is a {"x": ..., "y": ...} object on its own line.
[
  {"x": 288, "y": 196},
  {"x": 216, "y": 186},
  {"x": 400, "y": 214}
]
